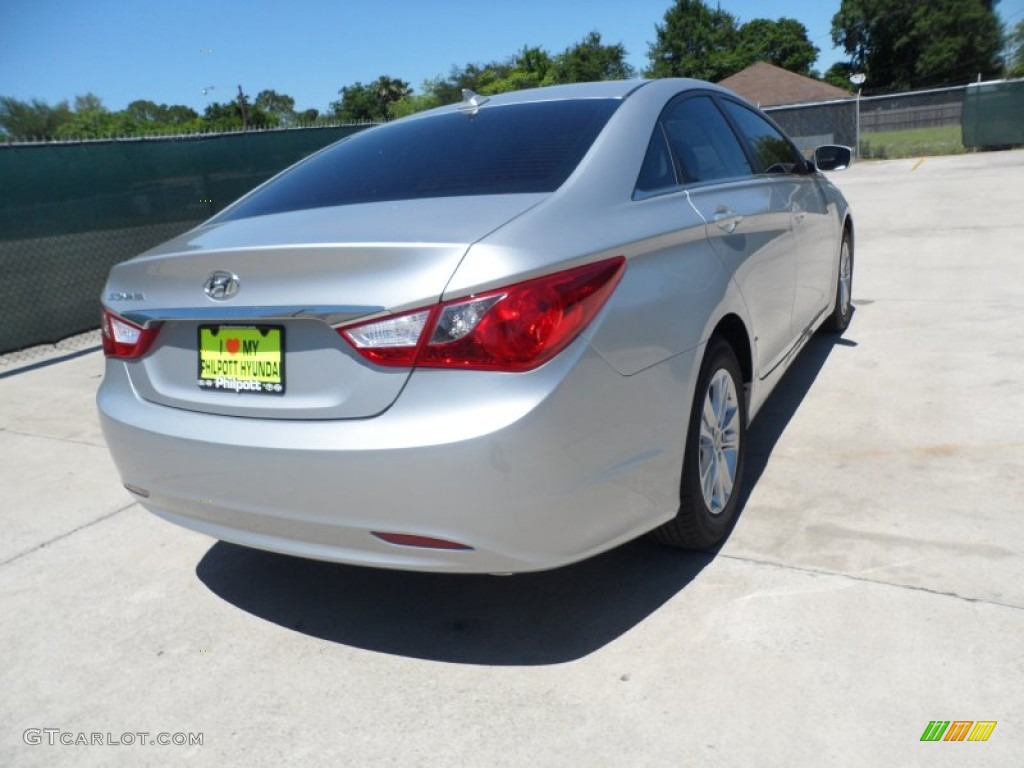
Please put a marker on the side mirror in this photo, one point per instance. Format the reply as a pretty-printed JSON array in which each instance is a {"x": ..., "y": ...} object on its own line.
[{"x": 832, "y": 157}]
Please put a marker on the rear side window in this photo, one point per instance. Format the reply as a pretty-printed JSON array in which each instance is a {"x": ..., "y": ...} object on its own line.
[
  {"x": 704, "y": 144},
  {"x": 773, "y": 151},
  {"x": 497, "y": 150},
  {"x": 657, "y": 173}
]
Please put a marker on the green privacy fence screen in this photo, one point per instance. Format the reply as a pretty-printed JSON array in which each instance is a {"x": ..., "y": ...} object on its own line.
[
  {"x": 994, "y": 115},
  {"x": 70, "y": 211}
]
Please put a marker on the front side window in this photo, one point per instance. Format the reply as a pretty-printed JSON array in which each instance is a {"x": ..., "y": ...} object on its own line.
[
  {"x": 517, "y": 148},
  {"x": 774, "y": 152}
]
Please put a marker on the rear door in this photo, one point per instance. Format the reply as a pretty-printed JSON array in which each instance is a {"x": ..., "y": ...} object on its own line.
[
  {"x": 747, "y": 221},
  {"x": 813, "y": 223}
]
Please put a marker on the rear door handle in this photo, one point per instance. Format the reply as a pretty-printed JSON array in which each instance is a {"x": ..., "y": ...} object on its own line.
[{"x": 727, "y": 219}]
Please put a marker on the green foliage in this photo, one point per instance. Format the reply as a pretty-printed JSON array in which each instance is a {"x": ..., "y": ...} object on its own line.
[
  {"x": 237, "y": 115},
  {"x": 369, "y": 102},
  {"x": 695, "y": 41},
  {"x": 489, "y": 78},
  {"x": 385, "y": 98},
  {"x": 590, "y": 60},
  {"x": 89, "y": 102},
  {"x": 896, "y": 43},
  {"x": 147, "y": 117},
  {"x": 145, "y": 112},
  {"x": 222, "y": 117},
  {"x": 710, "y": 44},
  {"x": 839, "y": 74},
  {"x": 901, "y": 45},
  {"x": 532, "y": 67},
  {"x": 31, "y": 119},
  {"x": 91, "y": 120},
  {"x": 1016, "y": 51},
  {"x": 784, "y": 43},
  {"x": 409, "y": 105},
  {"x": 278, "y": 107},
  {"x": 536, "y": 61}
]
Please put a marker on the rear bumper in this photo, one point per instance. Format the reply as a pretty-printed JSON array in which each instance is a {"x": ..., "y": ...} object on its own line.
[{"x": 532, "y": 471}]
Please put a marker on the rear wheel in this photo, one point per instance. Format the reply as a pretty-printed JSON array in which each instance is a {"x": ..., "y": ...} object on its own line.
[
  {"x": 839, "y": 320},
  {"x": 713, "y": 460}
]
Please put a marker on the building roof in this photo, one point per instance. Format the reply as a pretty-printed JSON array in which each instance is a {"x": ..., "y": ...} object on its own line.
[{"x": 766, "y": 85}]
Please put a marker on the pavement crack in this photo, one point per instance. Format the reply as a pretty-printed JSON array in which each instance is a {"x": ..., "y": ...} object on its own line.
[
  {"x": 879, "y": 582},
  {"x": 64, "y": 535},
  {"x": 51, "y": 437}
]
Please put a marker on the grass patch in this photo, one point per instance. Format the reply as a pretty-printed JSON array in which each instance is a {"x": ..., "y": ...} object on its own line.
[{"x": 916, "y": 142}]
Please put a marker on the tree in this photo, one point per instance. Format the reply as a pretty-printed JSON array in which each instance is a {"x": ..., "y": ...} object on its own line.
[
  {"x": 590, "y": 60},
  {"x": 901, "y": 45},
  {"x": 92, "y": 120},
  {"x": 390, "y": 89},
  {"x": 1015, "y": 66},
  {"x": 411, "y": 104},
  {"x": 240, "y": 114},
  {"x": 144, "y": 112},
  {"x": 222, "y": 117},
  {"x": 89, "y": 102},
  {"x": 695, "y": 41},
  {"x": 178, "y": 116},
  {"x": 532, "y": 67},
  {"x": 839, "y": 74},
  {"x": 480, "y": 78},
  {"x": 370, "y": 102},
  {"x": 279, "y": 107},
  {"x": 149, "y": 117},
  {"x": 784, "y": 43},
  {"x": 31, "y": 119}
]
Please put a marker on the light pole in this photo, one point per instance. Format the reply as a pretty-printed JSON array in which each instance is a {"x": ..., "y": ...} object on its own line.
[{"x": 858, "y": 80}]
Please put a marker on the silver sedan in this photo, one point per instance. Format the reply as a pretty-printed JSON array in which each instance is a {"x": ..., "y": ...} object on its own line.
[{"x": 499, "y": 336}]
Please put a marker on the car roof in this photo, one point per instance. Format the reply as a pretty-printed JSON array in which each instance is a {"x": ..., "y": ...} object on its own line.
[{"x": 604, "y": 89}]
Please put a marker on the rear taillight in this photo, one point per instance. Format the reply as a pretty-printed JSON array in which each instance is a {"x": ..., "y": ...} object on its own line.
[
  {"x": 124, "y": 339},
  {"x": 517, "y": 328}
]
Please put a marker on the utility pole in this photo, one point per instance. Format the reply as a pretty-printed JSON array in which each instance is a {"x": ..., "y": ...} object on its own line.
[
  {"x": 242, "y": 108},
  {"x": 858, "y": 80}
]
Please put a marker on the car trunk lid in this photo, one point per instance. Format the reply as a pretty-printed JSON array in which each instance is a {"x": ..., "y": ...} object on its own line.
[{"x": 297, "y": 275}]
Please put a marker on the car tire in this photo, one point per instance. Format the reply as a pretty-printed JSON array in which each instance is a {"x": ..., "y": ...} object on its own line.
[
  {"x": 714, "y": 455},
  {"x": 839, "y": 320}
]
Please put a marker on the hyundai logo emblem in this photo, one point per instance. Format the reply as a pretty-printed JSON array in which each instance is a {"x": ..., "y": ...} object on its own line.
[{"x": 221, "y": 285}]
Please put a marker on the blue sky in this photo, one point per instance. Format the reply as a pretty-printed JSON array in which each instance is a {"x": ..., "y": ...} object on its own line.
[{"x": 169, "y": 51}]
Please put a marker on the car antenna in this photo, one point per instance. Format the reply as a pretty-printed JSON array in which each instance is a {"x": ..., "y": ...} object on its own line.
[{"x": 472, "y": 101}]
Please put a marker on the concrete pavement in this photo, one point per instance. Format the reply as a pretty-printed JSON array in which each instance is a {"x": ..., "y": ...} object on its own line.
[{"x": 874, "y": 583}]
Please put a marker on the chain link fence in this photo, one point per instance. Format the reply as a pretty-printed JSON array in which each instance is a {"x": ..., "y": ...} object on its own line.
[
  {"x": 937, "y": 108},
  {"x": 936, "y": 121},
  {"x": 812, "y": 125},
  {"x": 70, "y": 211},
  {"x": 924, "y": 119}
]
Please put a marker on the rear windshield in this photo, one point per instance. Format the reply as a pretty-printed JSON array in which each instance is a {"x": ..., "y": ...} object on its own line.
[{"x": 498, "y": 150}]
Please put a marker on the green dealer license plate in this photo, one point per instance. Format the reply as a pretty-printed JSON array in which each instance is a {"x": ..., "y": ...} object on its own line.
[{"x": 247, "y": 360}]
